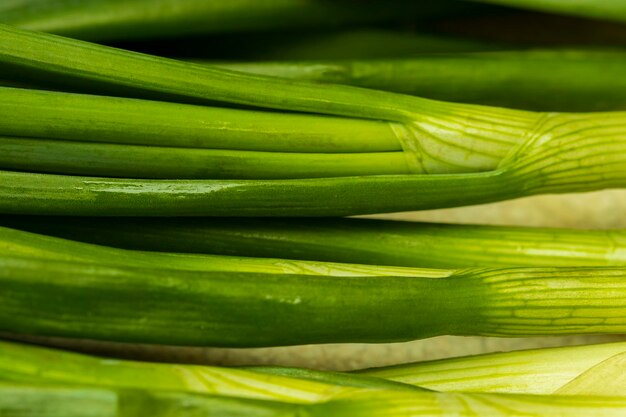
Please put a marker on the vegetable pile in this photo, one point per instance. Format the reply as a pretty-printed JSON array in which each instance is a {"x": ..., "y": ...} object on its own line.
[{"x": 176, "y": 172}]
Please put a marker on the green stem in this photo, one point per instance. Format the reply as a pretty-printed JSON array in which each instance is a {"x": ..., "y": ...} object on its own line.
[
  {"x": 50, "y": 401},
  {"x": 131, "y": 161},
  {"x": 77, "y": 117},
  {"x": 370, "y": 241},
  {"x": 24, "y": 244},
  {"x": 137, "y": 19},
  {"x": 46, "y": 194},
  {"x": 533, "y": 80},
  {"x": 245, "y": 310}
]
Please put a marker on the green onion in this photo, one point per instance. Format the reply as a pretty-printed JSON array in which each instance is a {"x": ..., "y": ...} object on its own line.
[
  {"x": 136, "y": 19},
  {"x": 147, "y": 305},
  {"x": 547, "y": 161},
  {"x": 24, "y": 244},
  {"x": 549, "y": 80},
  {"x": 366, "y": 241}
]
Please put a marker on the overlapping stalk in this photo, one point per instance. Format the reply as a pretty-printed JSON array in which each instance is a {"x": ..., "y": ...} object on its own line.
[{"x": 370, "y": 241}]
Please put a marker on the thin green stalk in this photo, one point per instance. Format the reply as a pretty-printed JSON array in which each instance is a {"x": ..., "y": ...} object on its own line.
[
  {"x": 127, "y": 304},
  {"x": 50, "y": 401},
  {"x": 137, "y": 19},
  {"x": 366, "y": 241},
  {"x": 537, "y": 371},
  {"x": 599, "y": 9},
  {"x": 78, "y": 117},
  {"x": 132, "y": 161},
  {"x": 24, "y": 244},
  {"x": 29, "y": 364},
  {"x": 557, "y": 80}
]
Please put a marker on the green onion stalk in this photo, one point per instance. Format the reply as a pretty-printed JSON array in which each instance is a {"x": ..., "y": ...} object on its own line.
[
  {"x": 543, "y": 80},
  {"x": 505, "y": 153},
  {"x": 108, "y": 20},
  {"x": 351, "y": 240},
  {"x": 47, "y": 401},
  {"x": 23, "y": 244},
  {"x": 38, "y": 381},
  {"x": 574, "y": 370},
  {"x": 229, "y": 309}
]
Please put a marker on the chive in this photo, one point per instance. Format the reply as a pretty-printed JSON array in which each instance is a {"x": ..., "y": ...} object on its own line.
[
  {"x": 367, "y": 241},
  {"x": 137, "y": 19},
  {"x": 18, "y": 243},
  {"x": 601, "y": 9},
  {"x": 143, "y": 305},
  {"x": 546, "y": 80}
]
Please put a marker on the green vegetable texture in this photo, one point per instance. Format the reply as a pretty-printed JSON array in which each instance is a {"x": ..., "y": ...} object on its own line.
[
  {"x": 574, "y": 370},
  {"x": 106, "y": 20},
  {"x": 147, "y": 305},
  {"x": 544, "y": 80},
  {"x": 47, "y": 401},
  {"x": 364, "y": 241},
  {"x": 426, "y": 131}
]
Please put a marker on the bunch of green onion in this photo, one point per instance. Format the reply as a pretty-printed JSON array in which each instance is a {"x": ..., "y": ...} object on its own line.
[{"x": 169, "y": 170}]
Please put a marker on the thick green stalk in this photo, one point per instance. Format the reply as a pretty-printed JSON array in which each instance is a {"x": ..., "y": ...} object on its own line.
[
  {"x": 50, "y": 401},
  {"x": 137, "y": 19},
  {"x": 24, "y": 244},
  {"x": 158, "y": 162},
  {"x": 535, "y": 371},
  {"x": 600, "y": 9},
  {"x": 533, "y": 80},
  {"x": 177, "y": 307},
  {"x": 379, "y": 242}
]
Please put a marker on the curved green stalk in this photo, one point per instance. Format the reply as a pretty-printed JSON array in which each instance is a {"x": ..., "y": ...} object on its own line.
[
  {"x": 137, "y": 19},
  {"x": 560, "y": 80},
  {"x": 535, "y": 371},
  {"x": 24, "y": 244},
  {"x": 132, "y": 161},
  {"x": 35, "y": 365},
  {"x": 51, "y": 401},
  {"x": 52, "y": 298},
  {"x": 366, "y": 241},
  {"x": 601, "y": 9}
]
